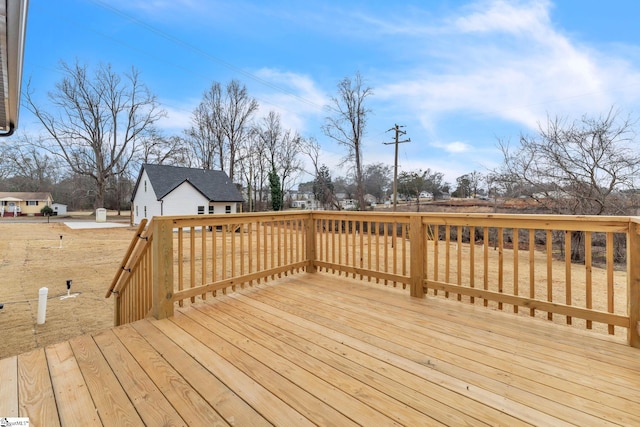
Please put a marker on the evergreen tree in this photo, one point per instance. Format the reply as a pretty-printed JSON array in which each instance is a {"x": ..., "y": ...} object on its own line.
[
  {"x": 323, "y": 189},
  {"x": 277, "y": 199}
]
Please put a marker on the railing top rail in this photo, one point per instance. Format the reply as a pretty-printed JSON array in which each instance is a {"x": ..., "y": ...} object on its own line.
[
  {"x": 125, "y": 259},
  {"x": 551, "y": 222},
  {"x": 619, "y": 219},
  {"x": 598, "y": 223},
  {"x": 185, "y": 220},
  {"x": 368, "y": 216}
]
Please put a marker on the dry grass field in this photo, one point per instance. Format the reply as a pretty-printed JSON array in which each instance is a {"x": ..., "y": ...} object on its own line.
[{"x": 31, "y": 258}]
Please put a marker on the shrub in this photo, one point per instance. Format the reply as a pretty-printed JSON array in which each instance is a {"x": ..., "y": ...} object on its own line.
[{"x": 46, "y": 211}]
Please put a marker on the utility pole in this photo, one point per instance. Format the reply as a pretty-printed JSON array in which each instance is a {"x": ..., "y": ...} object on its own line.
[{"x": 398, "y": 132}]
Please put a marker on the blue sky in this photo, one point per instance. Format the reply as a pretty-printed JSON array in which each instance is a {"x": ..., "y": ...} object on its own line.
[{"x": 458, "y": 74}]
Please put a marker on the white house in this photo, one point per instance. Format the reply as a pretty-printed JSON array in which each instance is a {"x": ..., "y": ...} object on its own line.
[
  {"x": 171, "y": 190},
  {"x": 59, "y": 209}
]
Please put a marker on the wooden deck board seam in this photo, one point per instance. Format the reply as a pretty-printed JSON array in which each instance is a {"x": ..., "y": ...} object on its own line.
[{"x": 560, "y": 410}]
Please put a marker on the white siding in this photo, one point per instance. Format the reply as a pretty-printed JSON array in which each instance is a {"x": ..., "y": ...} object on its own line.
[
  {"x": 184, "y": 200},
  {"x": 145, "y": 199},
  {"x": 59, "y": 208}
]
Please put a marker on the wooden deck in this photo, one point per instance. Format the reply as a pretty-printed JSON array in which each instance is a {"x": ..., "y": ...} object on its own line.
[{"x": 318, "y": 349}]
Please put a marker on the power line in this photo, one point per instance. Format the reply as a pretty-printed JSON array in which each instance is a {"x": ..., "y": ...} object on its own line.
[
  {"x": 206, "y": 54},
  {"x": 398, "y": 132}
]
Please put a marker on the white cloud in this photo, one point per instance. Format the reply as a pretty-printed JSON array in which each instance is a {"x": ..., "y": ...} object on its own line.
[
  {"x": 453, "y": 147},
  {"x": 178, "y": 116},
  {"x": 505, "y": 16},
  {"x": 295, "y": 97},
  {"x": 470, "y": 67}
]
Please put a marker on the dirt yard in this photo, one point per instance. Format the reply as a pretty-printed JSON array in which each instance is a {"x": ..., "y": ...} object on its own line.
[{"x": 31, "y": 258}]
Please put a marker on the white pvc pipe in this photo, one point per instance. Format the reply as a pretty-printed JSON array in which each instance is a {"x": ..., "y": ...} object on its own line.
[{"x": 42, "y": 305}]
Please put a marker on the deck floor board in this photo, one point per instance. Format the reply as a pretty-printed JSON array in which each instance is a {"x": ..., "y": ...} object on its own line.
[
  {"x": 35, "y": 389},
  {"x": 320, "y": 349}
]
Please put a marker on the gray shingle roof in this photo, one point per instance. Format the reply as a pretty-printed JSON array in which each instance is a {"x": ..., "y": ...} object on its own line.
[
  {"x": 213, "y": 184},
  {"x": 25, "y": 195}
]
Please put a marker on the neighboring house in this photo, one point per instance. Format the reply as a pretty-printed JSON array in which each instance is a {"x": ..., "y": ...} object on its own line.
[
  {"x": 309, "y": 204},
  {"x": 370, "y": 199},
  {"x": 14, "y": 203},
  {"x": 347, "y": 204},
  {"x": 59, "y": 209},
  {"x": 171, "y": 190},
  {"x": 302, "y": 200}
]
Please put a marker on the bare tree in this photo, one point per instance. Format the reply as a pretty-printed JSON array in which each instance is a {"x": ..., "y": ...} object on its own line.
[
  {"x": 463, "y": 188},
  {"x": 433, "y": 183},
  {"x": 236, "y": 120},
  {"x": 254, "y": 169},
  {"x": 94, "y": 123},
  {"x": 27, "y": 167},
  {"x": 311, "y": 148},
  {"x": 282, "y": 148},
  {"x": 475, "y": 179},
  {"x": 206, "y": 134},
  {"x": 347, "y": 126},
  {"x": 322, "y": 185},
  {"x": 577, "y": 167},
  {"x": 377, "y": 180},
  {"x": 159, "y": 149},
  {"x": 581, "y": 168},
  {"x": 221, "y": 124}
]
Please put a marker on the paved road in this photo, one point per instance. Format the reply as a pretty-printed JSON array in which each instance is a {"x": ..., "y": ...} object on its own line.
[{"x": 74, "y": 222}]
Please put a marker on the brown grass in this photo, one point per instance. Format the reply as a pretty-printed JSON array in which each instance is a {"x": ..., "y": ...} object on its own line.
[{"x": 32, "y": 258}]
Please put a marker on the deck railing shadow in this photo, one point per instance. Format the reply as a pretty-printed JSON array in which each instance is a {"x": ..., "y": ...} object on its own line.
[{"x": 579, "y": 270}]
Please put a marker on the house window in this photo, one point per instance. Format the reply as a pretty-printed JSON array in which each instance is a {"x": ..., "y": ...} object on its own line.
[
  {"x": 32, "y": 203},
  {"x": 200, "y": 210},
  {"x": 145, "y": 211},
  {"x": 227, "y": 209},
  {"x": 137, "y": 210},
  {"x": 211, "y": 210},
  {"x": 4, "y": 203},
  {"x": 145, "y": 185}
]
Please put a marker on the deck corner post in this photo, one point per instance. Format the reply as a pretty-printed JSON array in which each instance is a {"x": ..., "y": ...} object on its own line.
[
  {"x": 633, "y": 283},
  {"x": 310, "y": 248},
  {"x": 417, "y": 239},
  {"x": 162, "y": 268}
]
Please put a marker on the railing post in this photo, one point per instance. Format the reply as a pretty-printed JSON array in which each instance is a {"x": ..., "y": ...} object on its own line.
[
  {"x": 633, "y": 283},
  {"x": 162, "y": 268},
  {"x": 310, "y": 249},
  {"x": 116, "y": 311},
  {"x": 417, "y": 241}
]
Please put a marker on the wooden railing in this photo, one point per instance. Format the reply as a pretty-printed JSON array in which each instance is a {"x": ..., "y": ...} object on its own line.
[
  {"x": 132, "y": 282},
  {"x": 583, "y": 271},
  {"x": 179, "y": 259}
]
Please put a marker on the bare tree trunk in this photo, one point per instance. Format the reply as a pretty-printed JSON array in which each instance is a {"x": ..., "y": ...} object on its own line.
[{"x": 348, "y": 124}]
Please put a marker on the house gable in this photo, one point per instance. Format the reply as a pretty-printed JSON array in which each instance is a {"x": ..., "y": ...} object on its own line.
[
  {"x": 214, "y": 185},
  {"x": 183, "y": 200},
  {"x": 171, "y": 190}
]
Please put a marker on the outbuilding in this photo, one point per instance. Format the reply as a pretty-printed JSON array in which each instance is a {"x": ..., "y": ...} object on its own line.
[{"x": 59, "y": 209}]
